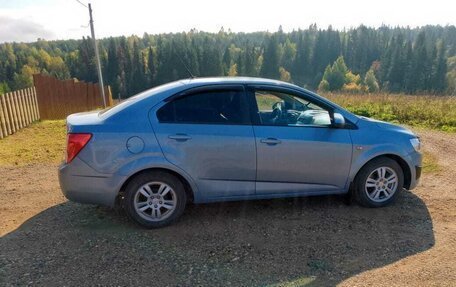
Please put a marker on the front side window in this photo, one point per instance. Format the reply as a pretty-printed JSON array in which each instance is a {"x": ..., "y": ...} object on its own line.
[
  {"x": 281, "y": 109},
  {"x": 209, "y": 107}
]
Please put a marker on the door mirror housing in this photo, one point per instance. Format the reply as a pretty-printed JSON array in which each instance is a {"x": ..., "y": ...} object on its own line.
[{"x": 338, "y": 121}]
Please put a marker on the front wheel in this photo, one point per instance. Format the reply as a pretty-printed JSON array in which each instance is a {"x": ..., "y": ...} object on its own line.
[
  {"x": 379, "y": 183},
  {"x": 155, "y": 199}
]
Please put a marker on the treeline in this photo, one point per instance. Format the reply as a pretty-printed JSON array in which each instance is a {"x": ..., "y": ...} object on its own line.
[{"x": 362, "y": 59}]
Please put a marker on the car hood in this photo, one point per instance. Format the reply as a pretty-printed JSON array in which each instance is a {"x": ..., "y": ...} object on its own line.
[{"x": 388, "y": 126}]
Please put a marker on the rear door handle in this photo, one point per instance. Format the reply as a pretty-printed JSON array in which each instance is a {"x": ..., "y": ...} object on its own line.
[
  {"x": 180, "y": 137},
  {"x": 270, "y": 141}
]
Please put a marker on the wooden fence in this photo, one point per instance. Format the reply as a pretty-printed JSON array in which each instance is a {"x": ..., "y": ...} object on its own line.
[
  {"x": 57, "y": 99},
  {"x": 18, "y": 109}
]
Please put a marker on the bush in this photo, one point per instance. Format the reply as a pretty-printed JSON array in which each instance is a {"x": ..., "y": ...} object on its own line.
[{"x": 353, "y": 88}]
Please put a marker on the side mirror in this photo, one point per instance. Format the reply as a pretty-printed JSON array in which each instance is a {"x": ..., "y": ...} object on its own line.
[{"x": 338, "y": 121}]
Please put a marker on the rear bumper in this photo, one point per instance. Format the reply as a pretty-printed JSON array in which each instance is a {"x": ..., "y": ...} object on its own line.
[{"x": 80, "y": 183}]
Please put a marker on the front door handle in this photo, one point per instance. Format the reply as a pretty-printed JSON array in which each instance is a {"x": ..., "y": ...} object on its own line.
[
  {"x": 180, "y": 137},
  {"x": 270, "y": 141}
]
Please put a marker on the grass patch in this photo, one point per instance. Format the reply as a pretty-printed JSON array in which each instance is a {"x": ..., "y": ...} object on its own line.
[
  {"x": 435, "y": 112},
  {"x": 41, "y": 142},
  {"x": 430, "y": 163}
]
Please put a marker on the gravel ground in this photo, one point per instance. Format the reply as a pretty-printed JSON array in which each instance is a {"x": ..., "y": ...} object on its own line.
[{"x": 319, "y": 241}]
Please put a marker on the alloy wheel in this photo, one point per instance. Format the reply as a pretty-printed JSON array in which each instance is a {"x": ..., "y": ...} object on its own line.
[
  {"x": 381, "y": 184},
  {"x": 155, "y": 201}
]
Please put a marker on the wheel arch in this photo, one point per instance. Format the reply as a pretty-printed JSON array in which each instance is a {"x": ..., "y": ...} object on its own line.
[
  {"x": 402, "y": 163},
  {"x": 189, "y": 190}
]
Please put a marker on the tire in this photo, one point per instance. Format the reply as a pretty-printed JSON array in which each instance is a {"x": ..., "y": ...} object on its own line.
[
  {"x": 155, "y": 199},
  {"x": 371, "y": 189}
]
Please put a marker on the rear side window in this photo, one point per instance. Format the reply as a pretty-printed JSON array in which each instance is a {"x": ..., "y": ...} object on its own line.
[{"x": 208, "y": 107}]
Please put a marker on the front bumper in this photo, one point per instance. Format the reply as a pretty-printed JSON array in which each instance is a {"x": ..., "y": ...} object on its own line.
[
  {"x": 80, "y": 183},
  {"x": 415, "y": 162}
]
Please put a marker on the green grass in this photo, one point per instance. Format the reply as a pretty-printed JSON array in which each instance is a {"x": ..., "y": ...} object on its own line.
[
  {"x": 41, "y": 142},
  {"x": 434, "y": 112}
]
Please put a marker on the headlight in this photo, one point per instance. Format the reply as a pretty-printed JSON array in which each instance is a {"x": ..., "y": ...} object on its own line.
[{"x": 416, "y": 143}]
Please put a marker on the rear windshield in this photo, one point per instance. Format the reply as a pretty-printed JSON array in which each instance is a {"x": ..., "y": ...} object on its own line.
[{"x": 131, "y": 100}]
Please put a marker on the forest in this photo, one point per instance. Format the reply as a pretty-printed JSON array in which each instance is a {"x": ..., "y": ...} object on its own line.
[{"x": 357, "y": 60}]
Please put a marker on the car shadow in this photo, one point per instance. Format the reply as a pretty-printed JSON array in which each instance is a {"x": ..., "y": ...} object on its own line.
[{"x": 317, "y": 241}]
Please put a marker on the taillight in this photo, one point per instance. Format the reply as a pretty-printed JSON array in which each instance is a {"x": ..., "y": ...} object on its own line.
[{"x": 75, "y": 143}]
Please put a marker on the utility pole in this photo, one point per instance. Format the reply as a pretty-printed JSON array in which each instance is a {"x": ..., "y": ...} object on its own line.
[{"x": 97, "y": 55}]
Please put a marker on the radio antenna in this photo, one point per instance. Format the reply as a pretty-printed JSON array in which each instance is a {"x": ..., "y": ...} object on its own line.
[{"x": 186, "y": 68}]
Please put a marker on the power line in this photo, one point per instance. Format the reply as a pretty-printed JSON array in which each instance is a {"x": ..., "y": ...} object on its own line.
[{"x": 82, "y": 3}]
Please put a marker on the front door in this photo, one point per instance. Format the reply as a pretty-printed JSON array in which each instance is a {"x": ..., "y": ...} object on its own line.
[
  {"x": 209, "y": 135},
  {"x": 297, "y": 149}
]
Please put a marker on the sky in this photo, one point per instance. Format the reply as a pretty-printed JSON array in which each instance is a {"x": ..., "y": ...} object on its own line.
[{"x": 28, "y": 20}]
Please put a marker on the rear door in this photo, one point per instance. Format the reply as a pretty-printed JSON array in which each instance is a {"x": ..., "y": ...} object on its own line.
[
  {"x": 207, "y": 132},
  {"x": 297, "y": 149}
]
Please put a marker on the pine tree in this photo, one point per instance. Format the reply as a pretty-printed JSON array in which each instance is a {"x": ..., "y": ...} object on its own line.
[
  {"x": 301, "y": 66},
  {"x": 226, "y": 61},
  {"x": 211, "y": 64},
  {"x": 439, "y": 69},
  {"x": 395, "y": 73},
  {"x": 151, "y": 67},
  {"x": 137, "y": 80},
  {"x": 249, "y": 62},
  {"x": 270, "y": 67},
  {"x": 418, "y": 65},
  {"x": 111, "y": 71},
  {"x": 371, "y": 82}
]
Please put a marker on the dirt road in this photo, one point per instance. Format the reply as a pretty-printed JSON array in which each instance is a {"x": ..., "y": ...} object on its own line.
[{"x": 293, "y": 242}]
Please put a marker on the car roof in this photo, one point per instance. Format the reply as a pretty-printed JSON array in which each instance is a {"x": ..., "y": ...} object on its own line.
[
  {"x": 162, "y": 92},
  {"x": 233, "y": 80}
]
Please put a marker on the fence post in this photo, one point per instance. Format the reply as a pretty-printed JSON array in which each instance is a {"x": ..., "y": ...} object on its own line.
[
  {"x": 5, "y": 109},
  {"x": 35, "y": 100},
  {"x": 2, "y": 121},
  {"x": 14, "y": 111},
  {"x": 27, "y": 105},
  {"x": 22, "y": 107},
  {"x": 18, "y": 109},
  {"x": 32, "y": 110},
  {"x": 10, "y": 112}
]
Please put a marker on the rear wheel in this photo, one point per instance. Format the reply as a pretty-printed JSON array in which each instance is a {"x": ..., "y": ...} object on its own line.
[
  {"x": 155, "y": 199},
  {"x": 379, "y": 183}
]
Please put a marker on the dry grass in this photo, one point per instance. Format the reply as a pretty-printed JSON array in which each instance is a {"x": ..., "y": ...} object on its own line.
[
  {"x": 41, "y": 142},
  {"x": 435, "y": 112},
  {"x": 430, "y": 163}
]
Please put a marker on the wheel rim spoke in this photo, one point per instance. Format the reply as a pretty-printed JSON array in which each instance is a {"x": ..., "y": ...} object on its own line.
[
  {"x": 391, "y": 179},
  {"x": 376, "y": 194},
  {"x": 371, "y": 182},
  {"x": 165, "y": 191},
  {"x": 381, "y": 172},
  {"x": 144, "y": 208},
  {"x": 168, "y": 204},
  {"x": 142, "y": 204},
  {"x": 145, "y": 192}
]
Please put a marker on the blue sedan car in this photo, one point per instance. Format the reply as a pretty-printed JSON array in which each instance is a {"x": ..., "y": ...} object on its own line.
[{"x": 218, "y": 139}]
